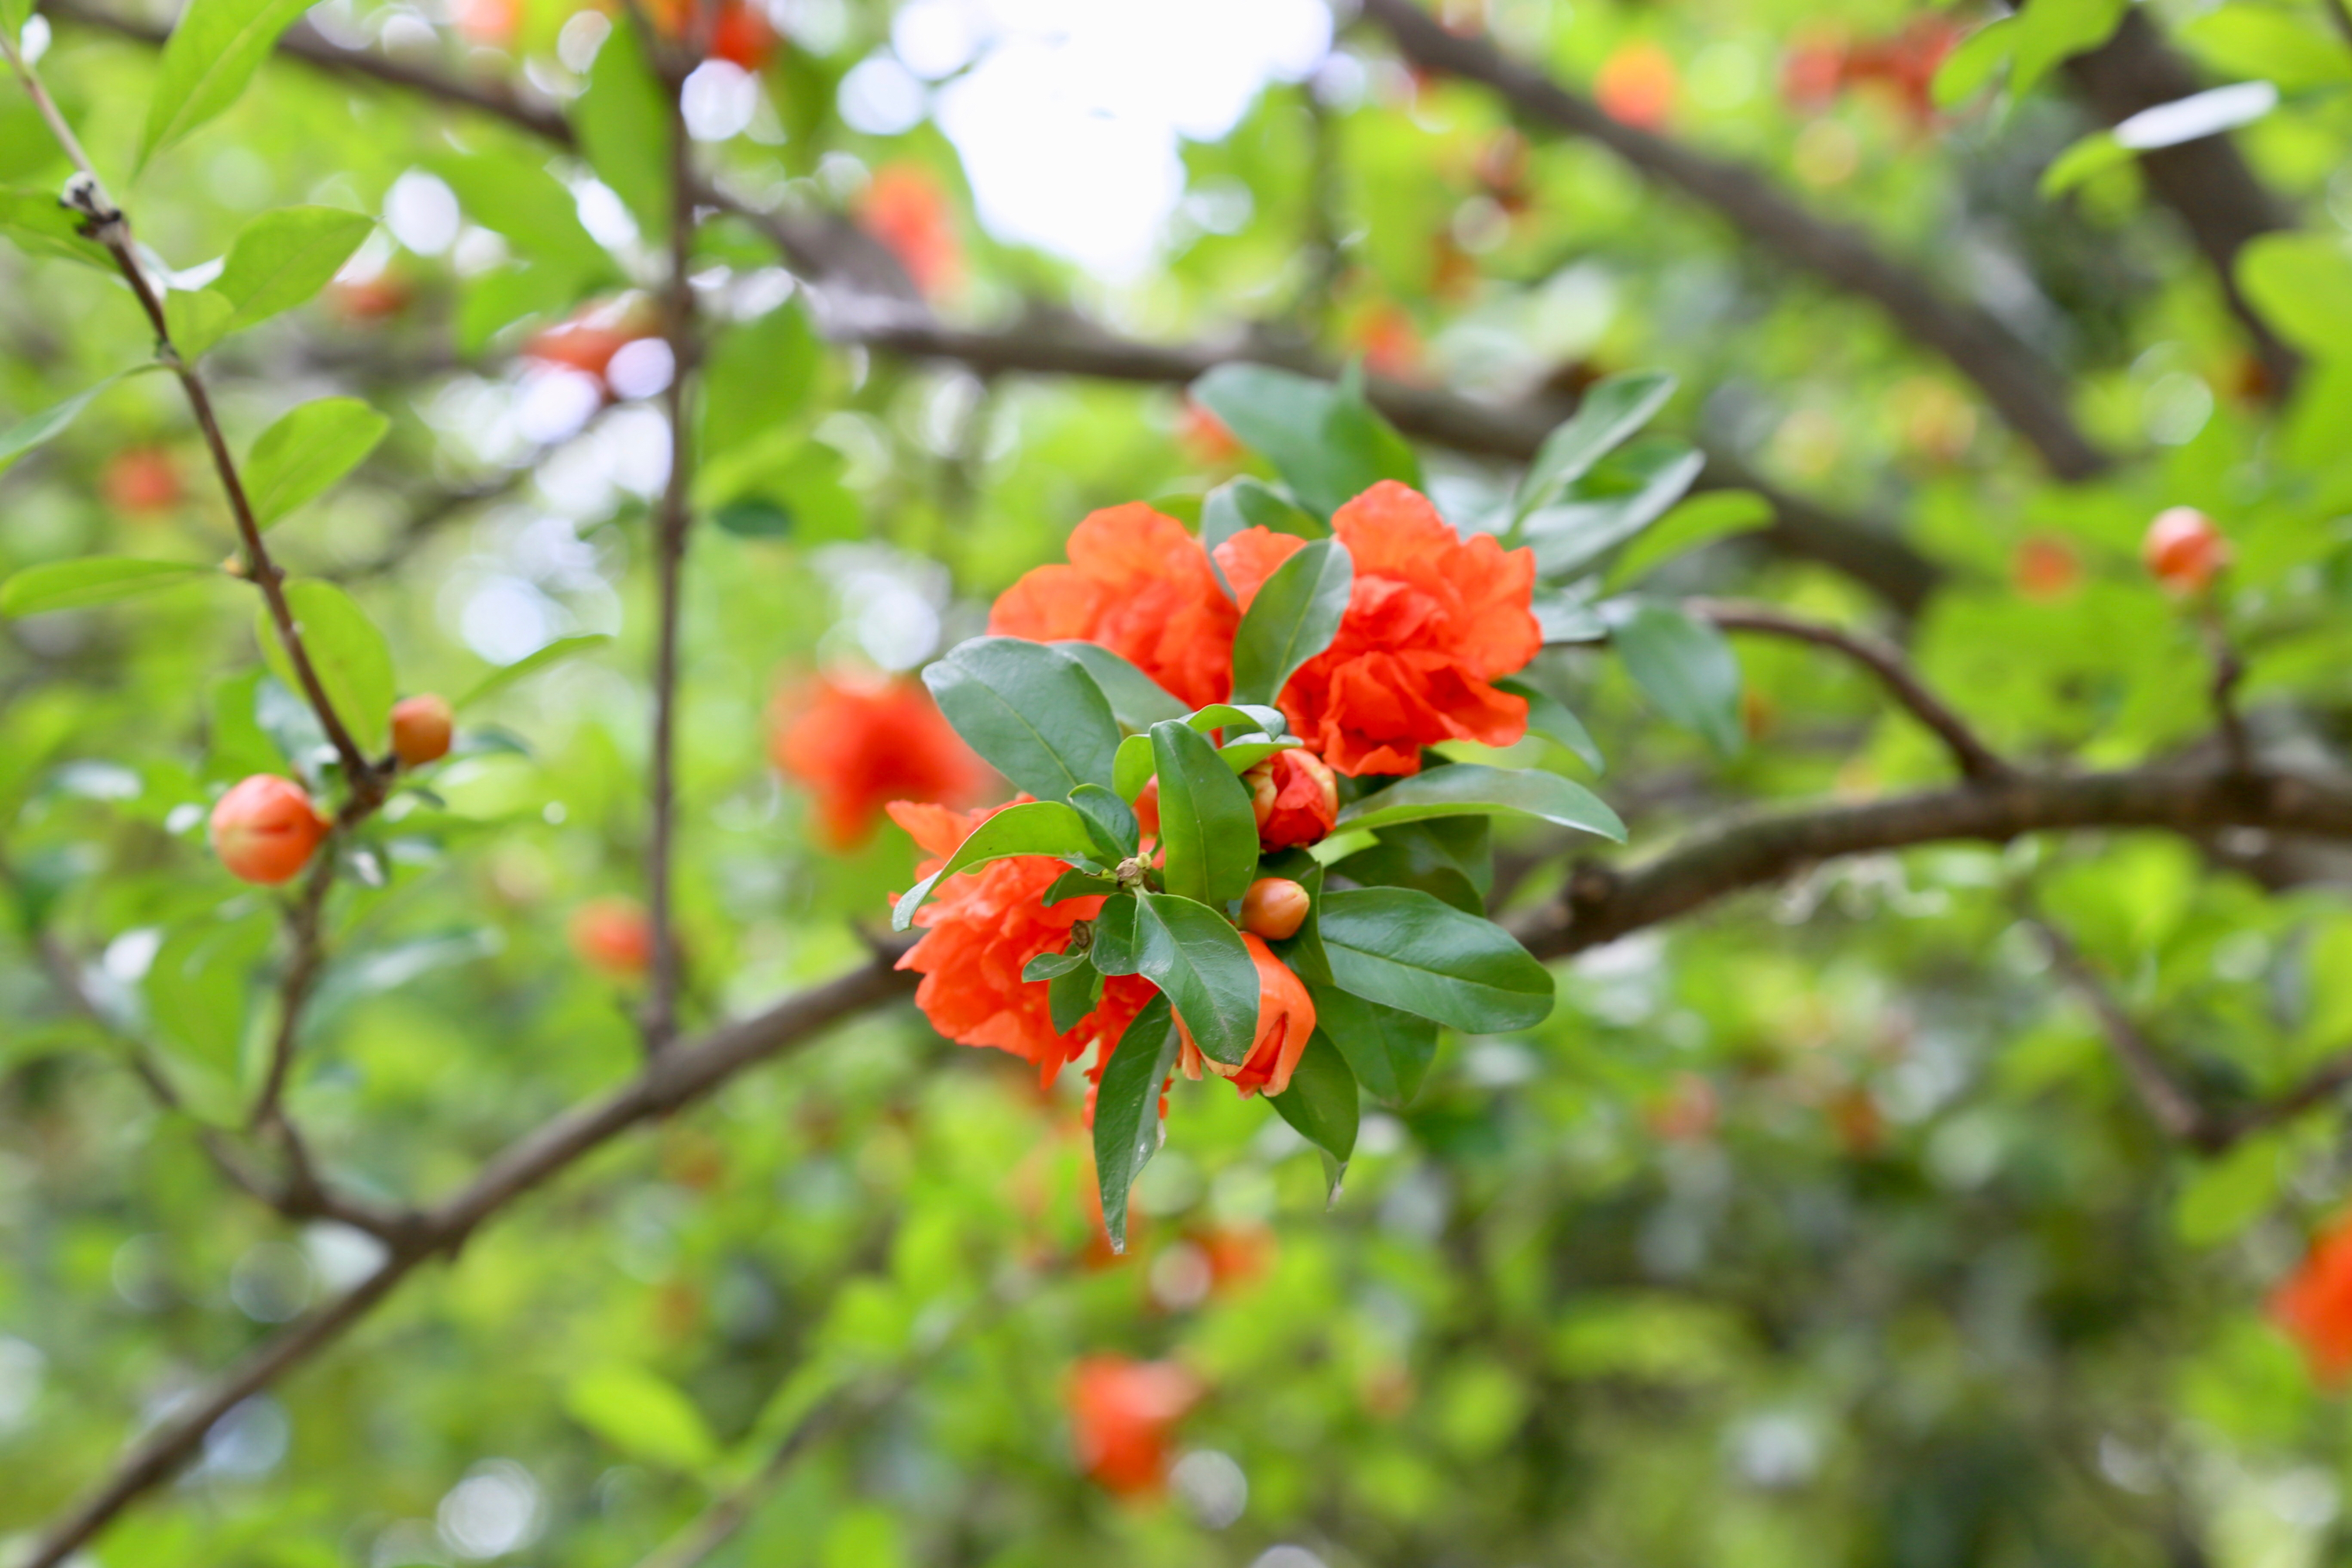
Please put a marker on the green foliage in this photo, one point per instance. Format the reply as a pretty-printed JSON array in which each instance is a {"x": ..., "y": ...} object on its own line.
[{"x": 302, "y": 456}]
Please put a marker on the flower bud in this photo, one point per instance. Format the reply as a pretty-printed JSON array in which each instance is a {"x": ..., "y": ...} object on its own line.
[
  {"x": 420, "y": 729},
  {"x": 613, "y": 935},
  {"x": 2184, "y": 551},
  {"x": 1286, "y": 1017},
  {"x": 1295, "y": 798},
  {"x": 265, "y": 829},
  {"x": 1274, "y": 907}
]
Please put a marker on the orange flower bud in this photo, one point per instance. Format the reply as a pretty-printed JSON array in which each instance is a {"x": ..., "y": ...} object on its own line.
[
  {"x": 264, "y": 828},
  {"x": 420, "y": 729},
  {"x": 613, "y": 935},
  {"x": 2184, "y": 551},
  {"x": 1286, "y": 1017},
  {"x": 1274, "y": 907},
  {"x": 141, "y": 481},
  {"x": 1295, "y": 798},
  {"x": 1121, "y": 1413}
]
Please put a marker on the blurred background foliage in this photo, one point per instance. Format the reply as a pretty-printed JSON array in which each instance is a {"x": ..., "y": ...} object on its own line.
[{"x": 1818, "y": 1229}]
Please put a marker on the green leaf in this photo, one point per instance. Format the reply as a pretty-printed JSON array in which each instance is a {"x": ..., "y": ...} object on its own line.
[
  {"x": 215, "y": 48},
  {"x": 754, "y": 517},
  {"x": 2050, "y": 32},
  {"x": 1136, "y": 700},
  {"x": 1126, "y": 1109},
  {"x": 1245, "y": 503},
  {"x": 517, "y": 198},
  {"x": 25, "y": 435},
  {"x": 1295, "y": 615},
  {"x": 1131, "y": 767},
  {"x": 624, "y": 126},
  {"x": 1612, "y": 410},
  {"x": 1564, "y": 617},
  {"x": 279, "y": 260},
  {"x": 1405, "y": 949},
  {"x": 1969, "y": 67},
  {"x": 1053, "y": 965},
  {"x": 1072, "y": 994},
  {"x": 2221, "y": 1199},
  {"x": 643, "y": 1414},
  {"x": 1196, "y": 958},
  {"x": 1078, "y": 885},
  {"x": 1242, "y": 755},
  {"x": 1570, "y": 535},
  {"x": 1206, "y": 825},
  {"x": 1389, "y": 1050},
  {"x": 1032, "y": 827},
  {"x": 200, "y": 986},
  {"x": 92, "y": 580},
  {"x": 301, "y": 457},
  {"x": 353, "y": 660},
  {"x": 1324, "y": 440},
  {"x": 758, "y": 378},
  {"x": 39, "y": 225},
  {"x": 1701, "y": 520},
  {"x": 1248, "y": 718},
  {"x": 1473, "y": 789},
  {"x": 2301, "y": 284},
  {"x": 1687, "y": 668},
  {"x": 1113, "y": 951},
  {"x": 196, "y": 320},
  {"x": 1451, "y": 857},
  {"x": 1032, "y": 713},
  {"x": 531, "y": 664},
  {"x": 1111, "y": 820},
  {"x": 1322, "y": 1103},
  {"x": 1548, "y": 717},
  {"x": 2092, "y": 154}
]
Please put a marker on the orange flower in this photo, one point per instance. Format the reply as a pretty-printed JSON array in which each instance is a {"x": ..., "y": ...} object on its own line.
[
  {"x": 1139, "y": 585},
  {"x": 905, "y": 208},
  {"x": 1286, "y": 1017},
  {"x": 860, "y": 744},
  {"x": 981, "y": 929},
  {"x": 1208, "y": 442},
  {"x": 1432, "y": 619},
  {"x": 141, "y": 481},
  {"x": 2315, "y": 1304},
  {"x": 1122, "y": 1412},
  {"x": 1293, "y": 797}
]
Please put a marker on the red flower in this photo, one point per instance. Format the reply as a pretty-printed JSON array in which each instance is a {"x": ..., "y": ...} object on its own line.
[
  {"x": 613, "y": 936},
  {"x": 1432, "y": 619},
  {"x": 905, "y": 208},
  {"x": 1637, "y": 86},
  {"x": 1293, "y": 797},
  {"x": 1207, "y": 441},
  {"x": 1139, "y": 585},
  {"x": 2184, "y": 551},
  {"x": 1286, "y": 1017},
  {"x": 141, "y": 481},
  {"x": 1122, "y": 1412},
  {"x": 860, "y": 744},
  {"x": 2315, "y": 1304},
  {"x": 981, "y": 929}
]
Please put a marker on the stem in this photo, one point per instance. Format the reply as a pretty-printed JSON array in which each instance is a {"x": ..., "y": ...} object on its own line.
[
  {"x": 1974, "y": 759},
  {"x": 301, "y": 972},
  {"x": 671, "y": 530},
  {"x": 104, "y": 222}
]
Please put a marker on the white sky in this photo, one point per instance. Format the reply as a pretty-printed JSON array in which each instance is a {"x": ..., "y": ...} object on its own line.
[{"x": 1067, "y": 113}]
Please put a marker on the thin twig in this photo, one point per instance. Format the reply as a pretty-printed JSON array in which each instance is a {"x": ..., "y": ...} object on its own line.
[
  {"x": 303, "y": 923},
  {"x": 104, "y": 222},
  {"x": 671, "y": 528},
  {"x": 1883, "y": 660},
  {"x": 2015, "y": 379},
  {"x": 2228, "y": 671}
]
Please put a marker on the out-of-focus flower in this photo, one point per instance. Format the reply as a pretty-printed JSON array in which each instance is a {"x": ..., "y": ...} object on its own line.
[
  {"x": 860, "y": 743},
  {"x": 906, "y": 209},
  {"x": 2314, "y": 1304},
  {"x": 1121, "y": 1414}
]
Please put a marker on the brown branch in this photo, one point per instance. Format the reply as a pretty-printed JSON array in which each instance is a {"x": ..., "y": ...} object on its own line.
[
  {"x": 1602, "y": 903},
  {"x": 2176, "y": 1112},
  {"x": 869, "y": 300},
  {"x": 671, "y": 526},
  {"x": 678, "y": 1076},
  {"x": 303, "y": 923},
  {"x": 1883, "y": 660},
  {"x": 2220, "y": 200},
  {"x": 2015, "y": 380},
  {"x": 103, "y": 222}
]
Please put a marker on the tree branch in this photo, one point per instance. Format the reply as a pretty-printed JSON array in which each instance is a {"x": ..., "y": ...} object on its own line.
[
  {"x": 1975, "y": 759},
  {"x": 1602, "y": 903},
  {"x": 678, "y": 1076},
  {"x": 2220, "y": 200},
  {"x": 869, "y": 300},
  {"x": 2027, "y": 392},
  {"x": 2175, "y": 1110},
  {"x": 103, "y": 222}
]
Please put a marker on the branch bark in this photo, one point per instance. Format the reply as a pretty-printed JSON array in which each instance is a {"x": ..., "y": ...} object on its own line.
[
  {"x": 2025, "y": 390},
  {"x": 677, "y": 1077},
  {"x": 1971, "y": 755}
]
